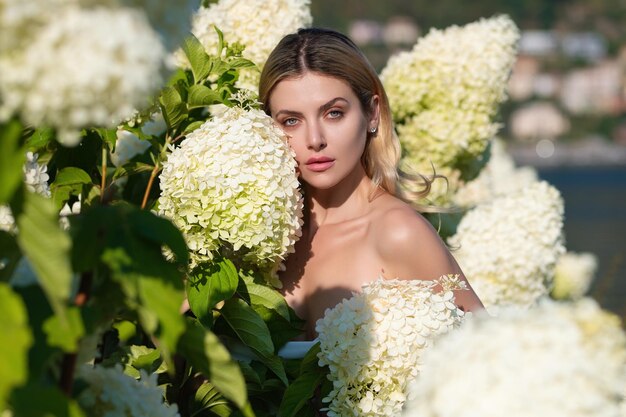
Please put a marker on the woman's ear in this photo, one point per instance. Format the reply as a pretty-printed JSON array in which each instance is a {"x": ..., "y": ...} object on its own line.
[{"x": 374, "y": 113}]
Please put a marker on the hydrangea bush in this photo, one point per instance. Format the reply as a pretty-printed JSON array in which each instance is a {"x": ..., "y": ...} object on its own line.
[
  {"x": 231, "y": 188},
  {"x": 558, "y": 359},
  {"x": 89, "y": 272},
  {"x": 373, "y": 342},
  {"x": 445, "y": 93},
  {"x": 509, "y": 246}
]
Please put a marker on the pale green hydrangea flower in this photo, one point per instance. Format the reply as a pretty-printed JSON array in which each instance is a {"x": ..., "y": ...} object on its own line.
[
  {"x": 573, "y": 275},
  {"x": 231, "y": 188},
  {"x": 373, "y": 342},
  {"x": 121, "y": 66},
  {"x": 499, "y": 177},
  {"x": 557, "y": 359},
  {"x": 111, "y": 393},
  {"x": 258, "y": 25},
  {"x": 508, "y": 247},
  {"x": 445, "y": 94}
]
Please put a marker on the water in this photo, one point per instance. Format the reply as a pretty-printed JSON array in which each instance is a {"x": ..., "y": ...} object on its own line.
[{"x": 595, "y": 221}]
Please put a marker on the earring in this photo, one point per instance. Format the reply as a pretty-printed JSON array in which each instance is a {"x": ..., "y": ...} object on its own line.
[{"x": 373, "y": 129}]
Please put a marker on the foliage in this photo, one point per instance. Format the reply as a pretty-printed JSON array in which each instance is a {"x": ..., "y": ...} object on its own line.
[{"x": 108, "y": 288}]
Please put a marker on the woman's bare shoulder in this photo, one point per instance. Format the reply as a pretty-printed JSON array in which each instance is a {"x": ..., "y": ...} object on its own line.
[{"x": 409, "y": 245}]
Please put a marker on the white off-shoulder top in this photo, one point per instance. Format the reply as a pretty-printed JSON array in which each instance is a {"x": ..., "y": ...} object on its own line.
[{"x": 296, "y": 349}]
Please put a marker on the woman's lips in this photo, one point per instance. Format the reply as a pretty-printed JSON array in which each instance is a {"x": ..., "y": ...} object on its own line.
[{"x": 319, "y": 164}]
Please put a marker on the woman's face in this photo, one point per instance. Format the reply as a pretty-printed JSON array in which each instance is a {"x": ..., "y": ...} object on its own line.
[{"x": 326, "y": 125}]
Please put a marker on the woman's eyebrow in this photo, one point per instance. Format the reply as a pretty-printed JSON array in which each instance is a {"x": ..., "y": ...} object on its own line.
[
  {"x": 332, "y": 102},
  {"x": 322, "y": 108}
]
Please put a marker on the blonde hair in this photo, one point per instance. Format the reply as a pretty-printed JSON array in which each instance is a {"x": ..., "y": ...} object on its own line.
[{"x": 331, "y": 53}]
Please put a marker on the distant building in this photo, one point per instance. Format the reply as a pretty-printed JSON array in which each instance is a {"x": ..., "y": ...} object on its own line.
[
  {"x": 538, "y": 43},
  {"x": 596, "y": 89},
  {"x": 521, "y": 82},
  {"x": 527, "y": 81},
  {"x": 538, "y": 120},
  {"x": 400, "y": 30},
  {"x": 365, "y": 32},
  {"x": 589, "y": 46}
]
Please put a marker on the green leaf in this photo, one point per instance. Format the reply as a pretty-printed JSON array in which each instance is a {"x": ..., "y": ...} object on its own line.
[
  {"x": 253, "y": 332},
  {"x": 9, "y": 255},
  {"x": 108, "y": 136},
  {"x": 207, "y": 397},
  {"x": 40, "y": 138},
  {"x": 131, "y": 168},
  {"x": 160, "y": 232},
  {"x": 40, "y": 354},
  {"x": 65, "y": 334},
  {"x": 258, "y": 294},
  {"x": 193, "y": 126},
  {"x": 143, "y": 357},
  {"x": 310, "y": 360},
  {"x": 163, "y": 300},
  {"x": 241, "y": 63},
  {"x": 299, "y": 393},
  {"x": 17, "y": 338},
  {"x": 47, "y": 248},
  {"x": 69, "y": 181},
  {"x": 198, "y": 58},
  {"x": 201, "y": 96},
  {"x": 206, "y": 353},
  {"x": 39, "y": 401},
  {"x": 71, "y": 176},
  {"x": 207, "y": 285},
  {"x": 173, "y": 107},
  {"x": 12, "y": 157}
]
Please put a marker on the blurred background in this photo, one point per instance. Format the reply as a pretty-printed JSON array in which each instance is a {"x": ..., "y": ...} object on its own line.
[{"x": 566, "y": 113}]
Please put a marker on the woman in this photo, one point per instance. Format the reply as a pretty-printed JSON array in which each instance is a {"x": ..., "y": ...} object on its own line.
[{"x": 326, "y": 96}]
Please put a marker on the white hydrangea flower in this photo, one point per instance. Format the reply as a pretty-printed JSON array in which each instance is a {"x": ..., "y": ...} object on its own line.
[
  {"x": 508, "y": 247},
  {"x": 256, "y": 24},
  {"x": 556, "y": 360},
  {"x": 36, "y": 179},
  {"x": 127, "y": 146},
  {"x": 7, "y": 222},
  {"x": 67, "y": 211},
  {"x": 36, "y": 175},
  {"x": 21, "y": 20},
  {"x": 232, "y": 186},
  {"x": 373, "y": 342},
  {"x": 111, "y": 393},
  {"x": 172, "y": 19},
  {"x": 573, "y": 275},
  {"x": 445, "y": 92},
  {"x": 464, "y": 67},
  {"x": 500, "y": 176},
  {"x": 84, "y": 67}
]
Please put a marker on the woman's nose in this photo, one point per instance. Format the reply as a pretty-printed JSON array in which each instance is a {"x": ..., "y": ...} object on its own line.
[{"x": 315, "y": 137}]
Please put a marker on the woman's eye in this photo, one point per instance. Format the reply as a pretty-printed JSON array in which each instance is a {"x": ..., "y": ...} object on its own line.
[
  {"x": 335, "y": 114},
  {"x": 290, "y": 122}
]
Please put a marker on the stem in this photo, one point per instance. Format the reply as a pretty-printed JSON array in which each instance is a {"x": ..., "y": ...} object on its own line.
[
  {"x": 104, "y": 172},
  {"x": 153, "y": 174},
  {"x": 157, "y": 167},
  {"x": 68, "y": 364}
]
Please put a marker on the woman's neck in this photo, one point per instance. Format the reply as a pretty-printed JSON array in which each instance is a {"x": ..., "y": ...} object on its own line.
[{"x": 345, "y": 201}]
